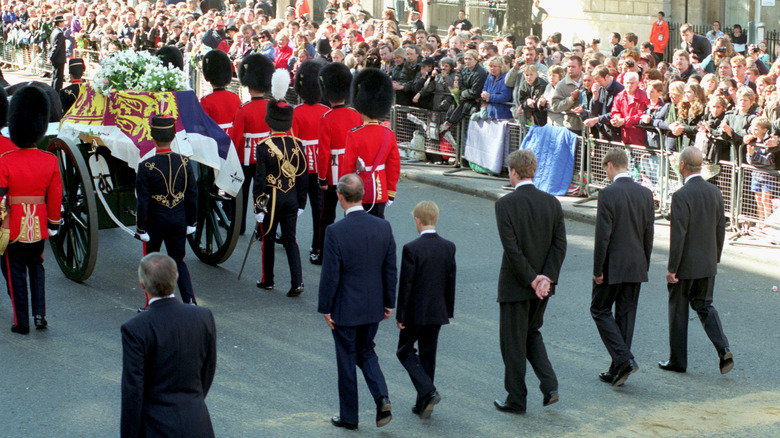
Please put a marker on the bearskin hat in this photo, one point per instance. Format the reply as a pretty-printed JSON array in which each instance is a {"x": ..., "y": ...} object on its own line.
[
  {"x": 3, "y": 107},
  {"x": 372, "y": 93},
  {"x": 217, "y": 68},
  {"x": 170, "y": 56},
  {"x": 255, "y": 72},
  {"x": 307, "y": 82},
  {"x": 335, "y": 79},
  {"x": 28, "y": 116}
]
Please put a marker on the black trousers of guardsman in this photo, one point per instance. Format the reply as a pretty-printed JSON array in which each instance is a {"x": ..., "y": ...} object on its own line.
[
  {"x": 284, "y": 213},
  {"x": 174, "y": 235},
  {"x": 20, "y": 261},
  {"x": 315, "y": 200}
]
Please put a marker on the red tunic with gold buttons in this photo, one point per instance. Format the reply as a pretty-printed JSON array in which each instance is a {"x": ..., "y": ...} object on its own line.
[
  {"x": 306, "y": 127},
  {"x": 365, "y": 142},
  {"x": 249, "y": 129},
  {"x": 334, "y": 127},
  {"x": 221, "y": 106},
  {"x": 27, "y": 174}
]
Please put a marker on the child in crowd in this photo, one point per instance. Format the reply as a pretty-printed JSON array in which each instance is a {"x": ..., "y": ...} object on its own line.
[
  {"x": 717, "y": 149},
  {"x": 762, "y": 158},
  {"x": 532, "y": 89}
]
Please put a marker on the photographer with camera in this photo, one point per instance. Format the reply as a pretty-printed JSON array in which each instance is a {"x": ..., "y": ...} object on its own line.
[{"x": 722, "y": 49}]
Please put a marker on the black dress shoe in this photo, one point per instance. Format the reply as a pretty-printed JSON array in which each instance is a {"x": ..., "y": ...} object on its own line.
[
  {"x": 550, "y": 398},
  {"x": 606, "y": 377},
  {"x": 383, "y": 414},
  {"x": 428, "y": 402},
  {"x": 21, "y": 329},
  {"x": 264, "y": 285},
  {"x": 295, "y": 291},
  {"x": 626, "y": 369},
  {"x": 726, "y": 361},
  {"x": 336, "y": 421},
  {"x": 416, "y": 410},
  {"x": 669, "y": 366},
  {"x": 503, "y": 407},
  {"x": 40, "y": 322},
  {"x": 316, "y": 258}
]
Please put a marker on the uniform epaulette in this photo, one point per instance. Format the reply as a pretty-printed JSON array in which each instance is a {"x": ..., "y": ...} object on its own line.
[{"x": 356, "y": 128}]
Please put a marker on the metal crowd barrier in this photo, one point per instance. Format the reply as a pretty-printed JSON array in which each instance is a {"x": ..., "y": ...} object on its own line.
[
  {"x": 417, "y": 134},
  {"x": 759, "y": 222}
]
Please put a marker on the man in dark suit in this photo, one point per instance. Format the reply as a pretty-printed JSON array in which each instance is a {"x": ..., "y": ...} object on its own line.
[
  {"x": 694, "y": 44},
  {"x": 164, "y": 379},
  {"x": 530, "y": 224},
  {"x": 698, "y": 228},
  {"x": 426, "y": 301},
  {"x": 357, "y": 291},
  {"x": 621, "y": 259},
  {"x": 57, "y": 54}
]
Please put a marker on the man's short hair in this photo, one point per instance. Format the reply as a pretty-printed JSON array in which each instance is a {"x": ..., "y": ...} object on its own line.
[
  {"x": 556, "y": 37},
  {"x": 739, "y": 59},
  {"x": 576, "y": 58},
  {"x": 761, "y": 122},
  {"x": 686, "y": 27},
  {"x": 523, "y": 161},
  {"x": 692, "y": 158},
  {"x": 616, "y": 156},
  {"x": 427, "y": 212},
  {"x": 662, "y": 13},
  {"x": 631, "y": 36},
  {"x": 681, "y": 53},
  {"x": 747, "y": 93},
  {"x": 351, "y": 188},
  {"x": 600, "y": 72},
  {"x": 616, "y": 35},
  {"x": 158, "y": 274},
  {"x": 534, "y": 38}
]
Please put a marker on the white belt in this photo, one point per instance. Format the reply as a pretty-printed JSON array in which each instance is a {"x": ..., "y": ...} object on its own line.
[
  {"x": 260, "y": 135},
  {"x": 337, "y": 151},
  {"x": 249, "y": 145},
  {"x": 378, "y": 168},
  {"x": 226, "y": 125},
  {"x": 309, "y": 142}
]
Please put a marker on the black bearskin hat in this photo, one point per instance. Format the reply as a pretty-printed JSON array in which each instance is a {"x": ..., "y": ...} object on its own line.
[
  {"x": 3, "y": 107},
  {"x": 217, "y": 68},
  {"x": 55, "y": 105},
  {"x": 335, "y": 79},
  {"x": 372, "y": 93},
  {"x": 28, "y": 116},
  {"x": 255, "y": 72},
  {"x": 163, "y": 128},
  {"x": 76, "y": 67},
  {"x": 307, "y": 82},
  {"x": 170, "y": 55},
  {"x": 278, "y": 115}
]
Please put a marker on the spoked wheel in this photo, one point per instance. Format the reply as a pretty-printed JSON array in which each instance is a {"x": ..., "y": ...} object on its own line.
[
  {"x": 217, "y": 232},
  {"x": 75, "y": 246}
]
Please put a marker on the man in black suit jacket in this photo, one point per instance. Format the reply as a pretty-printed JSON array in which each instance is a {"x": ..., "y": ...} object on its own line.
[
  {"x": 621, "y": 259},
  {"x": 698, "y": 229},
  {"x": 696, "y": 44},
  {"x": 169, "y": 355},
  {"x": 530, "y": 224},
  {"x": 357, "y": 291},
  {"x": 57, "y": 55},
  {"x": 426, "y": 301}
]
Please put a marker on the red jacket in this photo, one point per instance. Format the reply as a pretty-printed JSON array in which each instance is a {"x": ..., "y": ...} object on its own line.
[
  {"x": 631, "y": 110},
  {"x": 283, "y": 55},
  {"x": 659, "y": 36},
  {"x": 365, "y": 142},
  {"x": 334, "y": 127},
  {"x": 6, "y": 145},
  {"x": 27, "y": 173},
  {"x": 249, "y": 129},
  {"x": 306, "y": 127},
  {"x": 221, "y": 106}
]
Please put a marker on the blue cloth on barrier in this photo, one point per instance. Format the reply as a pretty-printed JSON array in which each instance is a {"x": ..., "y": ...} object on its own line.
[{"x": 554, "y": 147}]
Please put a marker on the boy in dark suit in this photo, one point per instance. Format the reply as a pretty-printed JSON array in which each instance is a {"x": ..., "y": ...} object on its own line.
[{"x": 426, "y": 300}]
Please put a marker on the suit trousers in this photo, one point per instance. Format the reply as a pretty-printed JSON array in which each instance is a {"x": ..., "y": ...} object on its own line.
[
  {"x": 19, "y": 261},
  {"x": 249, "y": 174},
  {"x": 616, "y": 330},
  {"x": 421, "y": 367},
  {"x": 355, "y": 346},
  {"x": 286, "y": 217},
  {"x": 57, "y": 76},
  {"x": 698, "y": 294},
  {"x": 315, "y": 200},
  {"x": 378, "y": 209},
  {"x": 519, "y": 324},
  {"x": 328, "y": 214},
  {"x": 175, "y": 239}
]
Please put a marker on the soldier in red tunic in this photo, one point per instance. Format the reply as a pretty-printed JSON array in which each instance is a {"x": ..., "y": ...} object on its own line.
[
  {"x": 371, "y": 148},
  {"x": 249, "y": 127},
  {"x": 334, "y": 126},
  {"x": 306, "y": 127},
  {"x": 221, "y": 105},
  {"x": 31, "y": 185}
]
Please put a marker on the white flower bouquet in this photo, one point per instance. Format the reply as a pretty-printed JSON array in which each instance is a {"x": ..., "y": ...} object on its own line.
[{"x": 137, "y": 71}]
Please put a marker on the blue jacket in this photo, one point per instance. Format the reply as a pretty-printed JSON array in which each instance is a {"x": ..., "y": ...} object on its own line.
[
  {"x": 500, "y": 102},
  {"x": 359, "y": 273}
]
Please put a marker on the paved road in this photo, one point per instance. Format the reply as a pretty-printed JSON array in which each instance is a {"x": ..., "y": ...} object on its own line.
[{"x": 276, "y": 374}]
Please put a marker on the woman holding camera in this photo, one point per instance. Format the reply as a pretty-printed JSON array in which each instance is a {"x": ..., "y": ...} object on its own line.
[{"x": 721, "y": 50}]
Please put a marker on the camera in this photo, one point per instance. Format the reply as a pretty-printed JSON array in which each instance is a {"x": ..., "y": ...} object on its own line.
[
  {"x": 596, "y": 40},
  {"x": 630, "y": 63},
  {"x": 724, "y": 91},
  {"x": 722, "y": 49}
]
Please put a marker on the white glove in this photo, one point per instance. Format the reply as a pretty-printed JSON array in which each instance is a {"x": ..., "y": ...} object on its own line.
[
  {"x": 259, "y": 217},
  {"x": 144, "y": 237},
  {"x": 389, "y": 203},
  {"x": 300, "y": 212},
  {"x": 191, "y": 230},
  {"x": 53, "y": 233}
]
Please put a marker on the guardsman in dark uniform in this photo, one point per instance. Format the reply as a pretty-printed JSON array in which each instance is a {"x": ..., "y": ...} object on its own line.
[
  {"x": 335, "y": 79},
  {"x": 306, "y": 127},
  {"x": 249, "y": 127},
  {"x": 167, "y": 201},
  {"x": 371, "y": 147},
  {"x": 69, "y": 94},
  {"x": 280, "y": 187},
  {"x": 31, "y": 186},
  {"x": 221, "y": 105},
  {"x": 57, "y": 54}
]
